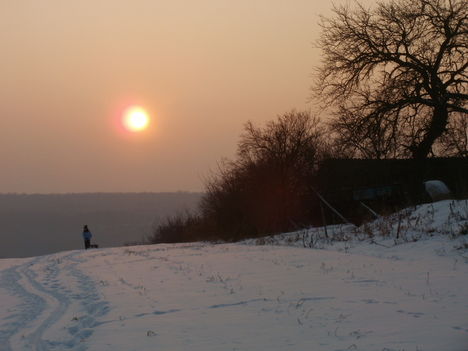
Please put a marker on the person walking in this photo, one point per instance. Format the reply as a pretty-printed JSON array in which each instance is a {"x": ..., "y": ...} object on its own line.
[{"x": 87, "y": 237}]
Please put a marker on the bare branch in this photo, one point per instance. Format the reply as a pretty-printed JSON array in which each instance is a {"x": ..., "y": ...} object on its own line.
[{"x": 382, "y": 65}]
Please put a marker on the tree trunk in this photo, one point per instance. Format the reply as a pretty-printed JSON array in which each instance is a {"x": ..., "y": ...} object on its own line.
[{"x": 436, "y": 128}]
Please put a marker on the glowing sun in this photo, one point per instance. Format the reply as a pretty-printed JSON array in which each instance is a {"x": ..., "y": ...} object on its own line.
[{"x": 135, "y": 119}]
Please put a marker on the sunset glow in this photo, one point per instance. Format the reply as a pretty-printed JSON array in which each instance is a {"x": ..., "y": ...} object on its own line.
[
  {"x": 135, "y": 119},
  {"x": 197, "y": 69}
]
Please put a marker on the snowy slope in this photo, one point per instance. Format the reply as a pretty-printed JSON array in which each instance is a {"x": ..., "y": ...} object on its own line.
[{"x": 410, "y": 296}]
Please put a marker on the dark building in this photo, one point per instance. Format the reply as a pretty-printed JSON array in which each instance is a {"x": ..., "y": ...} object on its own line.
[{"x": 350, "y": 185}]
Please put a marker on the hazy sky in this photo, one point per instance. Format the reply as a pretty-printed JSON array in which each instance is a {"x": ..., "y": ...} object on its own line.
[{"x": 201, "y": 68}]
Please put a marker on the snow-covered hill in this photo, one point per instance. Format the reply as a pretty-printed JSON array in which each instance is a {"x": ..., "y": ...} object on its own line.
[{"x": 375, "y": 293}]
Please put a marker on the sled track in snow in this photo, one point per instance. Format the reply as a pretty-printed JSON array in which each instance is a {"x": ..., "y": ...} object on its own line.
[
  {"x": 46, "y": 300},
  {"x": 32, "y": 306}
]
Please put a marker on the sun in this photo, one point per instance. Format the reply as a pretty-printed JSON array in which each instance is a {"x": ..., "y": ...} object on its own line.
[{"x": 135, "y": 119}]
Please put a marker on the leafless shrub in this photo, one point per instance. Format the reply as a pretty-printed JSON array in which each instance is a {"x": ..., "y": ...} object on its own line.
[
  {"x": 182, "y": 227},
  {"x": 266, "y": 189}
]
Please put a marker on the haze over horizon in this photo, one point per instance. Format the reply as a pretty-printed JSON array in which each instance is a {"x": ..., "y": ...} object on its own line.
[
  {"x": 34, "y": 225},
  {"x": 200, "y": 70}
]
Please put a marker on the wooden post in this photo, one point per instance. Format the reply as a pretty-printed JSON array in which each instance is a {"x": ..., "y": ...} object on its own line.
[{"x": 324, "y": 221}]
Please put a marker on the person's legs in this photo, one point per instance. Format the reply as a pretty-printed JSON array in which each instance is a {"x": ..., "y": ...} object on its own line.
[{"x": 87, "y": 243}]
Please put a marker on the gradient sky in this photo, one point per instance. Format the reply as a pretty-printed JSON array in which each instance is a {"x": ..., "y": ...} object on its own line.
[{"x": 201, "y": 69}]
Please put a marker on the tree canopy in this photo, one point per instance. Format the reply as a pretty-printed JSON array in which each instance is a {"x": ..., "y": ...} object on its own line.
[
  {"x": 396, "y": 75},
  {"x": 267, "y": 188}
]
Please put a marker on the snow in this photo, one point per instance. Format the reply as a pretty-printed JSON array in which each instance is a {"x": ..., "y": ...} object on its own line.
[
  {"x": 370, "y": 291},
  {"x": 437, "y": 189}
]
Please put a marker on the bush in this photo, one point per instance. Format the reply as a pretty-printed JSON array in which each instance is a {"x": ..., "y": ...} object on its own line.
[
  {"x": 267, "y": 188},
  {"x": 183, "y": 227}
]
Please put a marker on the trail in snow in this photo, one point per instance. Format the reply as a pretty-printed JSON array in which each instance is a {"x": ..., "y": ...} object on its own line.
[
  {"x": 31, "y": 307},
  {"x": 46, "y": 292}
]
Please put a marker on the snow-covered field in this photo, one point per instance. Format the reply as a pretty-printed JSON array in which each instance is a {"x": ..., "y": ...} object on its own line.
[{"x": 375, "y": 293}]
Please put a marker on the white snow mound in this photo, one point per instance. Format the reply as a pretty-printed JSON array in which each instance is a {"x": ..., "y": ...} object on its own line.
[{"x": 437, "y": 190}]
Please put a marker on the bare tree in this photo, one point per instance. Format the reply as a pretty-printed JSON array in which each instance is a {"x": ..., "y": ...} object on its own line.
[
  {"x": 455, "y": 141},
  {"x": 266, "y": 189},
  {"x": 295, "y": 140},
  {"x": 397, "y": 74}
]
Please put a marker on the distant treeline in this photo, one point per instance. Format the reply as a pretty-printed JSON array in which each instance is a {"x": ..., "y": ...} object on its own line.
[
  {"x": 290, "y": 174},
  {"x": 38, "y": 224}
]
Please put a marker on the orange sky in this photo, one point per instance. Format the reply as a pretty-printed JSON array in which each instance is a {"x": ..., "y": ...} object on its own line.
[{"x": 201, "y": 69}]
